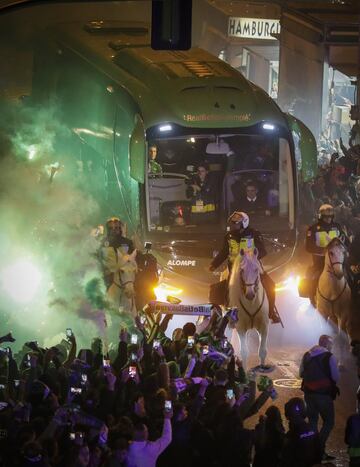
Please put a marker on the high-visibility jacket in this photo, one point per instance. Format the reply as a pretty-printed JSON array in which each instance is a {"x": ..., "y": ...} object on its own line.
[{"x": 234, "y": 242}]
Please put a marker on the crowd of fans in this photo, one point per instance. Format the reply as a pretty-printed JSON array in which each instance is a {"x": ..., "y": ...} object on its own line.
[
  {"x": 338, "y": 184},
  {"x": 154, "y": 401}
]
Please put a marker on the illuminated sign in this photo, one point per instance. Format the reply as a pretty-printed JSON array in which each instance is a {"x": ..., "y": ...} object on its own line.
[
  {"x": 217, "y": 118},
  {"x": 181, "y": 262},
  {"x": 253, "y": 28}
]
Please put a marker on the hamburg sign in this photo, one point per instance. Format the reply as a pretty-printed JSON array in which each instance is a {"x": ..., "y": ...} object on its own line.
[{"x": 253, "y": 28}]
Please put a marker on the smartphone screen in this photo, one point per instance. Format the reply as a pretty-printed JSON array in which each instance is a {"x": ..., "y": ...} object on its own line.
[
  {"x": 84, "y": 378},
  {"x": 142, "y": 319},
  {"x": 156, "y": 344},
  {"x": 225, "y": 343},
  {"x": 134, "y": 338},
  {"x": 68, "y": 332},
  {"x": 106, "y": 363},
  {"x": 168, "y": 406},
  {"x": 205, "y": 349},
  {"x": 133, "y": 357},
  {"x": 16, "y": 383},
  {"x": 229, "y": 393},
  {"x": 191, "y": 341},
  {"x": 132, "y": 371},
  {"x": 72, "y": 436}
]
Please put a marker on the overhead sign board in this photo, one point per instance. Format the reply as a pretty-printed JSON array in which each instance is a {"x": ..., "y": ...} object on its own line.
[{"x": 253, "y": 28}]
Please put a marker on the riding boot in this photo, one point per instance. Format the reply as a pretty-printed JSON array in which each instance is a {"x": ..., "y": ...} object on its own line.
[
  {"x": 316, "y": 273},
  {"x": 269, "y": 286}
]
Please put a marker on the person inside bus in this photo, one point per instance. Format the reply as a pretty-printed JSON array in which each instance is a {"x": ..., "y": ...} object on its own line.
[
  {"x": 154, "y": 167},
  {"x": 251, "y": 201},
  {"x": 243, "y": 237},
  {"x": 203, "y": 194},
  {"x": 262, "y": 159}
]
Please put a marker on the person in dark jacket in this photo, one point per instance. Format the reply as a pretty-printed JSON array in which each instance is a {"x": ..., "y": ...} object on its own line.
[
  {"x": 242, "y": 237},
  {"x": 269, "y": 438},
  {"x": 251, "y": 203},
  {"x": 319, "y": 372},
  {"x": 302, "y": 447},
  {"x": 352, "y": 435}
]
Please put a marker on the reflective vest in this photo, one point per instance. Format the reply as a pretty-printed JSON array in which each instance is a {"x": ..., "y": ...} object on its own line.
[
  {"x": 200, "y": 207},
  {"x": 323, "y": 238},
  {"x": 247, "y": 244}
]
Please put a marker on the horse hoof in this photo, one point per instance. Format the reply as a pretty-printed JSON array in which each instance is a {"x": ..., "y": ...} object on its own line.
[{"x": 265, "y": 368}]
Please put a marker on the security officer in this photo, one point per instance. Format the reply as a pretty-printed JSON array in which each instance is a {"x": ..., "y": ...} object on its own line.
[
  {"x": 203, "y": 194},
  {"x": 318, "y": 236},
  {"x": 114, "y": 235},
  {"x": 242, "y": 237},
  {"x": 108, "y": 253}
]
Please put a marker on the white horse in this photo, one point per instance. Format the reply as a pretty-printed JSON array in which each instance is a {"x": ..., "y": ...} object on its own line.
[
  {"x": 333, "y": 295},
  {"x": 122, "y": 268},
  {"x": 246, "y": 293}
]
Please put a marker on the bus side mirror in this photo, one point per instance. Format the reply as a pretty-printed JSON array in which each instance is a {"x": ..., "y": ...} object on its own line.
[{"x": 138, "y": 152}]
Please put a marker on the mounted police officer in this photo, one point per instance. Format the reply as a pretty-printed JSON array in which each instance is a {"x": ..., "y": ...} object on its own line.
[
  {"x": 113, "y": 240},
  {"x": 114, "y": 235},
  {"x": 242, "y": 237},
  {"x": 318, "y": 236}
]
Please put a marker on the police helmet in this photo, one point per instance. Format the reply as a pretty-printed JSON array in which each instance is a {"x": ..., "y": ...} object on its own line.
[
  {"x": 326, "y": 210},
  {"x": 111, "y": 222},
  {"x": 295, "y": 407},
  {"x": 243, "y": 218}
]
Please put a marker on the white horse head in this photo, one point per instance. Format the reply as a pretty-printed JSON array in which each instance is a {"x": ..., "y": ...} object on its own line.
[
  {"x": 335, "y": 257},
  {"x": 127, "y": 272},
  {"x": 249, "y": 273}
]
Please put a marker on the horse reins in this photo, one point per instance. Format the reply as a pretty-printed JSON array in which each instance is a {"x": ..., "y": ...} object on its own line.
[
  {"x": 332, "y": 302},
  {"x": 252, "y": 315}
]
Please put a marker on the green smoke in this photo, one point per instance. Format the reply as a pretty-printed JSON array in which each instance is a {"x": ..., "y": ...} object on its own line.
[{"x": 46, "y": 215}]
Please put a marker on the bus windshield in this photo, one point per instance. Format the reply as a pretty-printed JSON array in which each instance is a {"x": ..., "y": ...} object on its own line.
[{"x": 195, "y": 182}]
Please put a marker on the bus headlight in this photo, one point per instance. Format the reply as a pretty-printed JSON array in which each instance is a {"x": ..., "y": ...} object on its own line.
[
  {"x": 162, "y": 291},
  {"x": 291, "y": 283}
]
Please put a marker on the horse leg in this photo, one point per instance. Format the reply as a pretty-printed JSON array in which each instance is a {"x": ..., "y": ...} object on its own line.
[
  {"x": 233, "y": 338},
  {"x": 263, "y": 335},
  {"x": 244, "y": 347}
]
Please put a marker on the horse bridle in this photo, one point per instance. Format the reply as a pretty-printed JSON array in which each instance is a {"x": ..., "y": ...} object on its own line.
[
  {"x": 253, "y": 284},
  {"x": 332, "y": 264},
  {"x": 122, "y": 284},
  {"x": 332, "y": 302}
]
